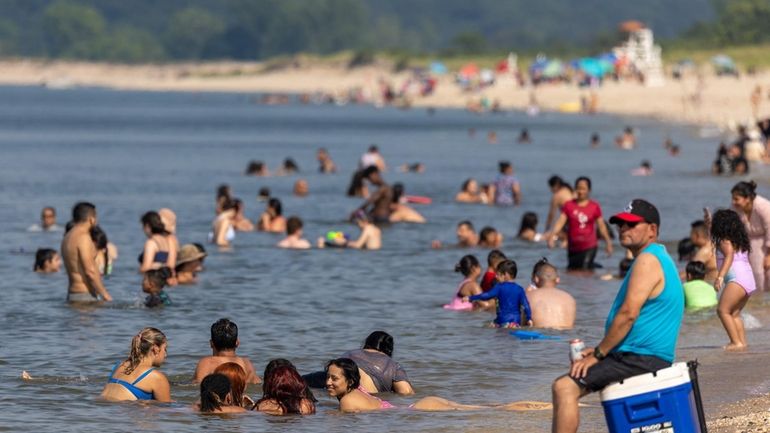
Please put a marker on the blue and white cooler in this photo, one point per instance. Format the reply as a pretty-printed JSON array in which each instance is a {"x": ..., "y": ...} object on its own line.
[{"x": 666, "y": 401}]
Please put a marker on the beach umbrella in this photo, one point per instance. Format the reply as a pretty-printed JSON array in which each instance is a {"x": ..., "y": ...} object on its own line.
[
  {"x": 469, "y": 70},
  {"x": 591, "y": 66},
  {"x": 723, "y": 64},
  {"x": 438, "y": 68},
  {"x": 553, "y": 69},
  {"x": 631, "y": 26}
]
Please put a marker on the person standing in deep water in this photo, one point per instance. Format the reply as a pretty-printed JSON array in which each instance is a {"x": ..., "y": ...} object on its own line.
[
  {"x": 137, "y": 378},
  {"x": 79, "y": 255},
  {"x": 159, "y": 248},
  {"x": 581, "y": 216},
  {"x": 507, "y": 188},
  {"x": 380, "y": 200}
]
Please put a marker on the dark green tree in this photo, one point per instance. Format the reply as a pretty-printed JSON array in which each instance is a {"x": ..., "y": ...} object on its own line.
[
  {"x": 73, "y": 30},
  {"x": 191, "y": 31}
]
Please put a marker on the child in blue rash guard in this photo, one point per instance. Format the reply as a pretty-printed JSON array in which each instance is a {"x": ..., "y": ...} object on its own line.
[{"x": 510, "y": 298}]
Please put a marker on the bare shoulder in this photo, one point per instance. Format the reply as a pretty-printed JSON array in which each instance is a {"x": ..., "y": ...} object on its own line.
[{"x": 270, "y": 406}]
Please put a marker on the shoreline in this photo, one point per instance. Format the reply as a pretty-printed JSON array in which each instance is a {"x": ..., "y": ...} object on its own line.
[{"x": 721, "y": 102}]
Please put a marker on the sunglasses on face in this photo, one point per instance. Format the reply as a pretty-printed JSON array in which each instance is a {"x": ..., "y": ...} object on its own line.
[{"x": 628, "y": 224}]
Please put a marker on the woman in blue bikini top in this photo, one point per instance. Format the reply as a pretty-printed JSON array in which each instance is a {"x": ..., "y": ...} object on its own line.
[{"x": 137, "y": 378}]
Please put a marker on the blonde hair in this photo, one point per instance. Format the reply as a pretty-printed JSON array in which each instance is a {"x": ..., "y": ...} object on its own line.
[{"x": 141, "y": 344}]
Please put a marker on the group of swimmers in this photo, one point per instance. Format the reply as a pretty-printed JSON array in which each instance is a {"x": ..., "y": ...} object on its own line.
[{"x": 224, "y": 377}]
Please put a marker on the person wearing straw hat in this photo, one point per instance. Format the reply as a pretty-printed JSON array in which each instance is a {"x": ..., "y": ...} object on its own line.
[{"x": 187, "y": 263}]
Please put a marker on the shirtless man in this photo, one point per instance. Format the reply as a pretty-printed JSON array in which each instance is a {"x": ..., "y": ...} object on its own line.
[
  {"x": 224, "y": 341},
  {"x": 699, "y": 235},
  {"x": 380, "y": 200},
  {"x": 561, "y": 193},
  {"x": 466, "y": 236},
  {"x": 371, "y": 235},
  {"x": 294, "y": 239},
  {"x": 551, "y": 306},
  {"x": 79, "y": 255}
]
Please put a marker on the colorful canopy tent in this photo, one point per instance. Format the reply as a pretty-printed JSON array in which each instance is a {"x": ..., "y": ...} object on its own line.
[
  {"x": 594, "y": 67},
  {"x": 438, "y": 68},
  {"x": 631, "y": 26},
  {"x": 723, "y": 63},
  {"x": 470, "y": 70},
  {"x": 553, "y": 69}
]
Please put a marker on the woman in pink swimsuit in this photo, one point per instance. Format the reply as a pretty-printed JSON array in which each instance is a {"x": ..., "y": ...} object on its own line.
[
  {"x": 734, "y": 275},
  {"x": 470, "y": 267},
  {"x": 343, "y": 382}
]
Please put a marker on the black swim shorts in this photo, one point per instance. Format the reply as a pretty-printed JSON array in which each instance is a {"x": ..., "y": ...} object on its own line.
[
  {"x": 618, "y": 366},
  {"x": 581, "y": 259}
]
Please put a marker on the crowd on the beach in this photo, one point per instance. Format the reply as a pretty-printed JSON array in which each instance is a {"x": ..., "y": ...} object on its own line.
[{"x": 726, "y": 258}]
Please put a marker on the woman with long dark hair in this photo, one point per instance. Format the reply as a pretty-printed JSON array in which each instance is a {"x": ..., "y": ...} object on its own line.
[
  {"x": 159, "y": 249},
  {"x": 754, "y": 211}
]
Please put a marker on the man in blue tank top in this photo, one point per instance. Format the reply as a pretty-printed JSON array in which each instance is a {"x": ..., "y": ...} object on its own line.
[{"x": 642, "y": 326}]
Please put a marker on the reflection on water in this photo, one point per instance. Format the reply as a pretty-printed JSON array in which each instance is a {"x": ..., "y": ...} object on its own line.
[{"x": 131, "y": 152}]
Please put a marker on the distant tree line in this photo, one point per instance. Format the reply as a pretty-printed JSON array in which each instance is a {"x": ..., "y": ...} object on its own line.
[
  {"x": 738, "y": 22},
  {"x": 178, "y": 30}
]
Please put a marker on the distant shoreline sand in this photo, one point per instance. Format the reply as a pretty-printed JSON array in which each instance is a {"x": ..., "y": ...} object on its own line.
[{"x": 724, "y": 101}]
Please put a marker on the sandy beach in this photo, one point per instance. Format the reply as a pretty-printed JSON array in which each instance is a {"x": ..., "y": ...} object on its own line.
[{"x": 724, "y": 101}]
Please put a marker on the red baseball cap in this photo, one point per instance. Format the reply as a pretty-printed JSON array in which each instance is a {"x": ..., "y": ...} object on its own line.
[{"x": 637, "y": 211}]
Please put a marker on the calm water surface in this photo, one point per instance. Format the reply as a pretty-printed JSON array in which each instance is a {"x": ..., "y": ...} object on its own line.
[{"x": 131, "y": 152}]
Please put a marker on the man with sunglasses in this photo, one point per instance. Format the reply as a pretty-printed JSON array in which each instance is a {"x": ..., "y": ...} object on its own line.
[{"x": 642, "y": 326}]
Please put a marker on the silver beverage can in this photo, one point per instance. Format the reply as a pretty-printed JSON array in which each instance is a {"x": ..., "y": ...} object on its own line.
[{"x": 576, "y": 348}]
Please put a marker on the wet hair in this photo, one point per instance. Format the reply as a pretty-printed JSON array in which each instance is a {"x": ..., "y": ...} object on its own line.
[
  {"x": 368, "y": 171},
  {"x": 228, "y": 203},
  {"x": 275, "y": 204},
  {"x": 141, "y": 344},
  {"x": 700, "y": 226},
  {"x": 82, "y": 211},
  {"x": 223, "y": 191},
  {"x": 224, "y": 334},
  {"x": 595, "y": 136},
  {"x": 685, "y": 248},
  {"x": 504, "y": 165},
  {"x": 293, "y": 225},
  {"x": 264, "y": 192},
  {"x": 238, "y": 204},
  {"x": 507, "y": 267},
  {"x": 42, "y": 256},
  {"x": 466, "y": 223},
  {"x": 285, "y": 386},
  {"x": 466, "y": 264},
  {"x": 528, "y": 222},
  {"x": 152, "y": 220},
  {"x": 356, "y": 183},
  {"x": 485, "y": 233},
  {"x": 557, "y": 181},
  {"x": 467, "y": 183},
  {"x": 696, "y": 270},
  {"x": 398, "y": 191},
  {"x": 545, "y": 270},
  {"x": 214, "y": 390},
  {"x": 583, "y": 178},
  {"x": 373, "y": 148},
  {"x": 255, "y": 167},
  {"x": 624, "y": 266},
  {"x": 159, "y": 277},
  {"x": 646, "y": 164},
  {"x": 380, "y": 341},
  {"x": 275, "y": 364},
  {"x": 359, "y": 215},
  {"x": 745, "y": 189},
  {"x": 237, "y": 378},
  {"x": 727, "y": 225},
  {"x": 99, "y": 237},
  {"x": 495, "y": 256},
  {"x": 349, "y": 370},
  {"x": 290, "y": 165}
]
